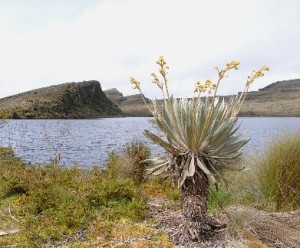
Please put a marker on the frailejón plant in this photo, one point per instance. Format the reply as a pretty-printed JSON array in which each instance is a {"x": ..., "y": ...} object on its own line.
[{"x": 201, "y": 140}]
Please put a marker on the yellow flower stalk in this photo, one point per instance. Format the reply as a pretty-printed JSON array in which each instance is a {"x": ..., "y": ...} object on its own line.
[
  {"x": 135, "y": 84},
  {"x": 207, "y": 83}
]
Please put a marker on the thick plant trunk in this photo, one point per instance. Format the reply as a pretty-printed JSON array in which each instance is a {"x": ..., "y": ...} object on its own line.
[{"x": 194, "y": 196}]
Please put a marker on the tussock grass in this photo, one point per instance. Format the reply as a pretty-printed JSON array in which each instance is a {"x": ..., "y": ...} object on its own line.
[
  {"x": 241, "y": 189},
  {"x": 278, "y": 173},
  {"x": 127, "y": 164}
]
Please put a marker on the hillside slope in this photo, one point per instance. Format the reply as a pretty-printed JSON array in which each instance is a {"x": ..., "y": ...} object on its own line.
[
  {"x": 70, "y": 100},
  {"x": 281, "y": 98},
  {"x": 130, "y": 105}
]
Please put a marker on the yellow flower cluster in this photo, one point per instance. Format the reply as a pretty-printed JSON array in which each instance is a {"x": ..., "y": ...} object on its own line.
[
  {"x": 161, "y": 61},
  {"x": 256, "y": 74},
  {"x": 231, "y": 65},
  {"x": 163, "y": 70},
  {"x": 161, "y": 83},
  {"x": 135, "y": 84},
  {"x": 204, "y": 87},
  {"x": 208, "y": 86},
  {"x": 155, "y": 78},
  {"x": 262, "y": 70}
]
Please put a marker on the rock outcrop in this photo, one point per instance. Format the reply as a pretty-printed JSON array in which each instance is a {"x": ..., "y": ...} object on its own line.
[
  {"x": 130, "y": 105},
  {"x": 65, "y": 101}
]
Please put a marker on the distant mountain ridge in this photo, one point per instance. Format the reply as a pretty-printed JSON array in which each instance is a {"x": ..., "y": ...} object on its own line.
[
  {"x": 87, "y": 100},
  {"x": 281, "y": 98},
  {"x": 64, "y": 101}
]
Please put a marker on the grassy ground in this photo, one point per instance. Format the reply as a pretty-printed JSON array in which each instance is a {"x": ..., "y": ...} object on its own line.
[{"x": 50, "y": 206}]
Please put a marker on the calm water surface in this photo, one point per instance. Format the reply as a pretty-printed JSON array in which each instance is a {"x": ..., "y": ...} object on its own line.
[{"x": 88, "y": 142}]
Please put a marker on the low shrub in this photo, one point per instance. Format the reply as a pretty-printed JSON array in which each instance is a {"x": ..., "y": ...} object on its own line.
[
  {"x": 159, "y": 188},
  {"x": 13, "y": 173}
]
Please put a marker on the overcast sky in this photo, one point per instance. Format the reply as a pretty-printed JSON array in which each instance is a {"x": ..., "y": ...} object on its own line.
[{"x": 46, "y": 42}]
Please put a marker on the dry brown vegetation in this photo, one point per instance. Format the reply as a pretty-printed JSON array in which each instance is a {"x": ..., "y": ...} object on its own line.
[
  {"x": 247, "y": 226},
  {"x": 277, "y": 99}
]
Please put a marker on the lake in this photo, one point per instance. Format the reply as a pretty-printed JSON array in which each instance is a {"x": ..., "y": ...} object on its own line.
[{"x": 88, "y": 142}]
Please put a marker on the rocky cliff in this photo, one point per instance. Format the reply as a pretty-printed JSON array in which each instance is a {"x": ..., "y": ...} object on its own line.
[{"x": 70, "y": 100}]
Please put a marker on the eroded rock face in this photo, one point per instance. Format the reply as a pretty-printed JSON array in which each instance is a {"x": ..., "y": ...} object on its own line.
[
  {"x": 115, "y": 96},
  {"x": 70, "y": 100}
]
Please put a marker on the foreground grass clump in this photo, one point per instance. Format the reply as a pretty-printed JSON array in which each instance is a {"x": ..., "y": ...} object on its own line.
[
  {"x": 51, "y": 204},
  {"x": 278, "y": 173},
  {"x": 127, "y": 164}
]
